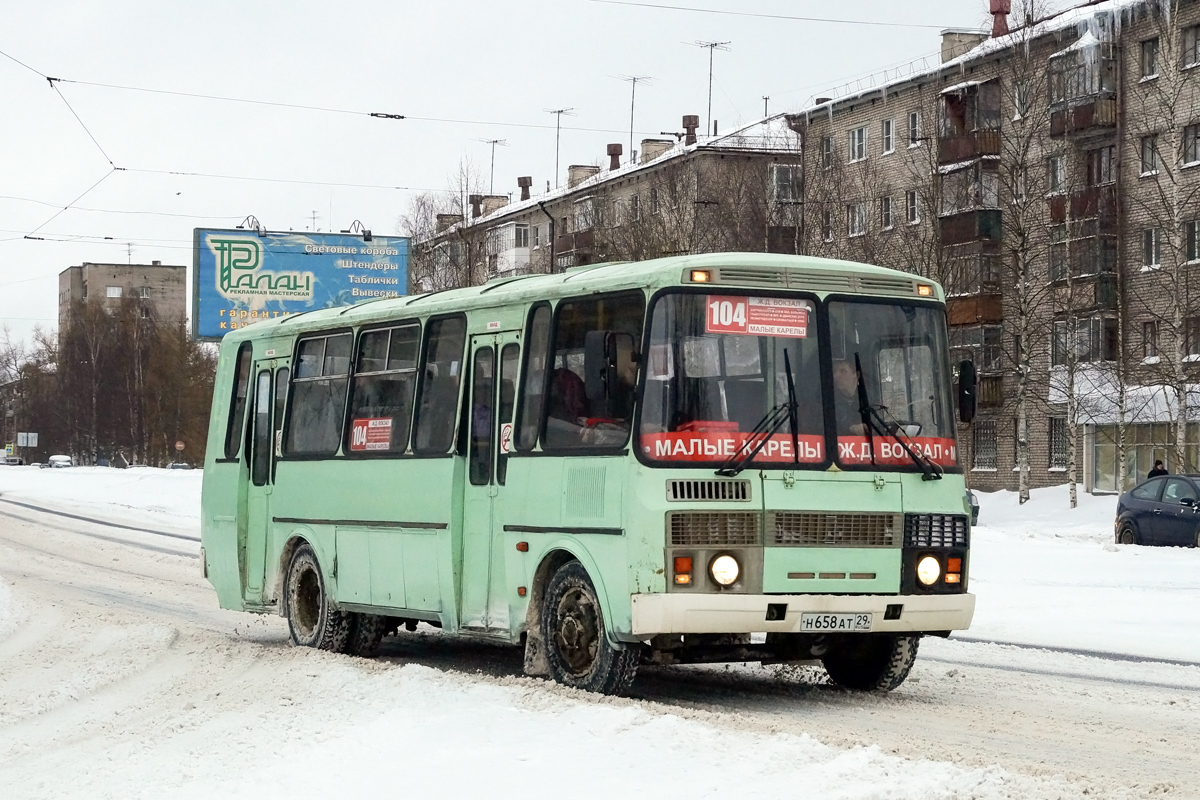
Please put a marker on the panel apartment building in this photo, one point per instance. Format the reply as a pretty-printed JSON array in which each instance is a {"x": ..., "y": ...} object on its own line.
[
  {"x": 1049, "y": 178},
  {"x": 161, "y": 289}
]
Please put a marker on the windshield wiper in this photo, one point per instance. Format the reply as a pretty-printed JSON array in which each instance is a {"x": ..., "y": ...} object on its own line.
[
  {"x": 873, "y": 421},
  {"x": 766, "y": 428}
]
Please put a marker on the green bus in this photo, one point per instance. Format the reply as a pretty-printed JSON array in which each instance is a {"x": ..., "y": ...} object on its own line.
[{"x": 720, "y": 457}]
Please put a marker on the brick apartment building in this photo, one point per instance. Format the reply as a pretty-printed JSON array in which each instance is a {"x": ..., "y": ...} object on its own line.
[{"x": 1047, "y": 176}]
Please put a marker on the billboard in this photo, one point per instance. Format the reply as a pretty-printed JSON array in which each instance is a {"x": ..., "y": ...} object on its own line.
[{"x": 240, "y": 277}]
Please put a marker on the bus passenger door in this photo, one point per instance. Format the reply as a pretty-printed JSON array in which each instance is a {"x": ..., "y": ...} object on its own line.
[
  {"x": 264, "y": 417},
  {"x": 492, "y": 386}
]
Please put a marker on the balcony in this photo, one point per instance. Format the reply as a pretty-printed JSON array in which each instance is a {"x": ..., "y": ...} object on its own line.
[
  {"x": 974, "y": 309},
  {"x": 1083, "y": 115},
  {"x": 981, "y": 224},
  {"x": 1091, "y": 293},
  {"x": 581, "y": 243},
  {"x": 966, "y": 146}
]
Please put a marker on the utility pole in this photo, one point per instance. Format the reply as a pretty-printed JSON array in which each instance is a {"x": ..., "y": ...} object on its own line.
[
  {"x": 633, "y": 79},
  {"x": 558, "y": 113},
  {"x": 711, "y": 47},
  {"x": 765, "y": 98},
  {"x": 492, "y": 175}
]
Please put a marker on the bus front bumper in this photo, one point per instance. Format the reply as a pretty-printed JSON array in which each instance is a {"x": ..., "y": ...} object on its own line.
[{"x": 654, "y": 614}]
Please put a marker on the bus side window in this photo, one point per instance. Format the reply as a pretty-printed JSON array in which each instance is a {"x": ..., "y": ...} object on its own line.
[
  {"x": 237, "y": 405},
  {"x": 533, "y": 386},
  {"x": 381, "y": 399},
  {"x": 433, "y": 430},
  {"x": 314, "y": 416},
  {"x": 509, "y": 356},
  {"x": 281, "y": 388}
]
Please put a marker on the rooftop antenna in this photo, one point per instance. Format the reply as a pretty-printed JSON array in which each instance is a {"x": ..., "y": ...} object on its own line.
[
  {"x": 633, "y": 80},
  {"x": 711, "y": 47},
  {"x": 492, "y": 175},
  {"x": 765, "y": 98},
  {"x": 252, "y": 223},
  {"x": 558, "y": 113},
  {"x": 129, "y": 252}
]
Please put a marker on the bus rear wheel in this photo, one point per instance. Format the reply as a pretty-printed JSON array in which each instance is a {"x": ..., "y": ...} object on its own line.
[
  {"x": 875, "y": 662},
  {"x": 313, "y": 621},
  {"x": 578, "y": 653}
]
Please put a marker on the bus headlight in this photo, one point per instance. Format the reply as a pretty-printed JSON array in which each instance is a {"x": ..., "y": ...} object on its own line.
[
  {"x": 725, "y": 570},
  {"x": 929, "y": 569}
]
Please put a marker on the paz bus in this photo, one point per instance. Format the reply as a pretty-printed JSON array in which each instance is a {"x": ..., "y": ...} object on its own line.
[{"x": 720, "y": 457}]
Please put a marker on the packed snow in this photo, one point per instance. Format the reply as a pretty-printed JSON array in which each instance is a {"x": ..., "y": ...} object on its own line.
[{"x": 217, "y": 704}]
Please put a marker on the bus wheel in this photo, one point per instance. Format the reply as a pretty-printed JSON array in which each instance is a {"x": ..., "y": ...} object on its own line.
[
  {"x": 366, "y": 632},
  {"x": 577, "y": 651},
  {"x": 312, "y": 619},
  {"x": 871, "y": 662}
]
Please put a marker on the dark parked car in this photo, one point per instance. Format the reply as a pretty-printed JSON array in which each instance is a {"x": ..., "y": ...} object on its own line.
[{"x": 1163, "y": 510}]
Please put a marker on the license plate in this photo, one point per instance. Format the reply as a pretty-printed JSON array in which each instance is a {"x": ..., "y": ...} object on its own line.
[{"x": 845, "y": 623}]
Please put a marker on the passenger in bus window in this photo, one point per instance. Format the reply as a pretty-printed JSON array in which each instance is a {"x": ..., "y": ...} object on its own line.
[
  {"x": 845, "y": 399},
  {"x": 568, "y": 409}
]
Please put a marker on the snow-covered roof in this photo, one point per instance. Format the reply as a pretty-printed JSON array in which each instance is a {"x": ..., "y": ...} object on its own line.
[
  {"x": 771, "y": 135},
  {"x": 1084, "y": 18}
]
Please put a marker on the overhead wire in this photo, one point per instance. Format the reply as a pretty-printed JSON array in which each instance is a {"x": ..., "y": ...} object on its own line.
[{"x": 758, "y": 15}]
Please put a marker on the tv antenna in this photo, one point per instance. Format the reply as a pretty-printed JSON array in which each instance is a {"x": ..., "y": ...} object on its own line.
[
  {"x": 558, "y": 114},
  {"x": 492, "y": 175},
  {"x": 633, "y": 80},
  {"x": 712, "y": 46}
]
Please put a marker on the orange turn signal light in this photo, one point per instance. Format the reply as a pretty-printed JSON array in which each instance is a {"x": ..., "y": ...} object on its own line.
[
  {"x": 522, "y": 547},
  {"x": 683, "y": 578},
  {"x": 683, "y": 570},
  {"x": 953, "y": 565},
  {"x": 701, "y": 276},
  {"x": 953, "y": 577},
  {"x": 924, "y": 290},
  {"x": 520, "y": 591}
]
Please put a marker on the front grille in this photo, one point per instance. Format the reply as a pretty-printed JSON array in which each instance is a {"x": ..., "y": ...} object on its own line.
[
  {"x": 885, "y": 285},
  {"x": 716, "y": 490},
  {"x": 822, "y": 281},
  {"x": 935, "y": 530},
  {"x": 690, "y": 528},
  {"x": 816, "y": 529}
]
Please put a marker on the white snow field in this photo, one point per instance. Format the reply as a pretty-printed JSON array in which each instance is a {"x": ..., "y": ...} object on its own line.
[{"x": 119, "y": 677}]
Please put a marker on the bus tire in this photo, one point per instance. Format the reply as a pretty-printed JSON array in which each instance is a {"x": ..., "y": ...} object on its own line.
[
  {"x": 876, "y": 662},
  {"x": 313, "y": 620},
  {"x": 366, "y": 632},
  {"x": 578, "y": 653}
]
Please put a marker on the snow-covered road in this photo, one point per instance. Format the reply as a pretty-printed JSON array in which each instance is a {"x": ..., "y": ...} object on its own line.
[{"x": 119, "y": 677}]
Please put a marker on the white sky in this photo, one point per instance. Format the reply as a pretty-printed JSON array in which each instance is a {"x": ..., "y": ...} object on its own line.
[{"x": 494, "y": 67}]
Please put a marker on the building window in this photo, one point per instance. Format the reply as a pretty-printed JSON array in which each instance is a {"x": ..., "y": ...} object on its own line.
[
  {"x": 1150, "y": 58},
  {"x": 984, "y": 444},
  {"x": 1056, "y": 173},
  {"x": 635, "y": 208},
  {"x": 1020, "y": 99},
  {"x": 521, "y": 236},
  {"x": 827, "y": 225},
  {"x": 887, "y": 136},
  {"x": 144, "y": 292},
  {"x": 1151, "y": 161},
  {"x": 536, "y": 236},
  {"x": 885, "y": 213},
  {"x": 1150, "y": 339},
  {"x": 912, "y": 209},
  {"x": 914, "y": 128},
  {"x": 826, "y": 152},
  {"x": 113, "y": 291},
  {"x": 1100, "y": 164},
  {"x": 979, "y": 344},
  {"x": 1191, "y": 46},
  {"x": 1151, "y": 237},
  {"x": 858, "y": 144},
  {"x": 1191, "y": 144},
  {"x": 856, "y": 219},
  {"x": 1191, "y": 240},
  {"x": 1095, "y": 340},
  {"x": 1058, "y": 442},
  {"x": 1191, "y": 336},
  {"x": 654, "y": 201},
  {"x": 785, "y": 183},
  {"x": 1058, "y": 253}
]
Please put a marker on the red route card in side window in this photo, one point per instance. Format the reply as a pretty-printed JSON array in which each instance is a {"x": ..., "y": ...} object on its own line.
[
  {"x": 371, "y": 433},
  {"x": 756, "y": 316}
]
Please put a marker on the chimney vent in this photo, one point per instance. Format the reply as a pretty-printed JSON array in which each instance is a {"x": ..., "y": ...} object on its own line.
[
  {"x": 614, "y": 155},
  {"x": 690, "y": 123},
  {"x": 578, "y": 173},
  {"x": 1000, "y": 10},
  {"x": 494, "y": 202},
  {"x": 156, "y": 263},
  {"x": 525, "y": 181},
  {"x": 653, "y": 148},
  {"x": 957, "y": 41},
  {"x": 823, "y": 100},
  {"x": 445, "y": 221},
  {"x": 476, "y": 200}
]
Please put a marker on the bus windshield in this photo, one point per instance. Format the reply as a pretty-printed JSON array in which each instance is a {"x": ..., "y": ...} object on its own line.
[
  {"x": 894, "y": 357},
  {"x": 715, "y": 368}
]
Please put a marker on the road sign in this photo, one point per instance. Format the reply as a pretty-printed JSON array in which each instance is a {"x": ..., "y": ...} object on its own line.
[
  {"x": 8, "y": 449},
  {"x": 179, "y": 446},
  {"x": 27, "y": 440}
]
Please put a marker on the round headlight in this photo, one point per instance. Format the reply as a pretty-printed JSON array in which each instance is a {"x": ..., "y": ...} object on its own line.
[
  {"x": 725, "y": 570},
  {"x": 929, "y": 569}
]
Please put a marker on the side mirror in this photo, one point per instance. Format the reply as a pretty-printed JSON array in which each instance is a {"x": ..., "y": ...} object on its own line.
[
  {"x": 1187, "y": 501},
  {"x": 609, "y": 368},
  {"x": 967, "y": 384}
]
